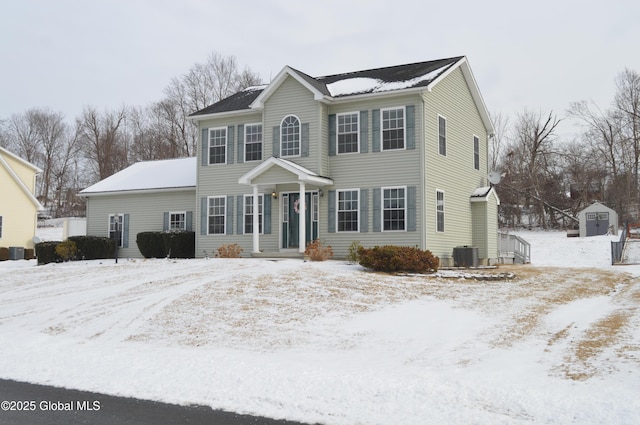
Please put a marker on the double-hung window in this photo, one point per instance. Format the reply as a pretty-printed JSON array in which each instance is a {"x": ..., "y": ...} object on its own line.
[
  {"x": 290, "y": 136},
  {"x": 348, "y": 207},
  {"x": 248, "y": 214},
  {"x": 348, "y": 132},
  {"x": 442, "y": 135},
  {"x": 394, "y": 208},
  {"x": 217, "y": 215},
  {"x": 177, "y": 221},
  {"x": 439, "y": 211},
  {"x": 476, "y": 152},
  {"x": 393, "y": 129},
  {"x": 115, "y": 228},
  {"x": 218, "y": 145},
  {"x": 253, "y": 142}
]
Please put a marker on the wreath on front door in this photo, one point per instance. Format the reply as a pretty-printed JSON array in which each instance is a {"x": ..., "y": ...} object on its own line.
[{"x": 296, "y": 206}]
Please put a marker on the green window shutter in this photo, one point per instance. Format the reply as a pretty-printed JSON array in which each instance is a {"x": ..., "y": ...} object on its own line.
[
  {"x": 266, "y": 214},
  {"x": 240, "y": 215},
  {"x": 332, "y": 135},
  {"x": 364, "y": 131},
  {"x": 276, "y": 142},
  {"x": 189, "y": 221},
  {"x": 230, "y": 143},
  {"x": 240, "y": 143},
  {"x": 364, "y": 210},
  {"x": 205, "y": 147},
  {"x": 304, "y": 139},
  {"x": 377, "y": 210},
  {"x": 332, "y": 212},
  {"x": 375, "y": 131},
  {"x": 125, "y": 232},
  {"x": 411, "y": 208},
  {"x": 229, "y": 217},
  {"x": 410, "y": 126},
  {"x": 165, "y": 222},
  {"x": 204, "y": 217}
]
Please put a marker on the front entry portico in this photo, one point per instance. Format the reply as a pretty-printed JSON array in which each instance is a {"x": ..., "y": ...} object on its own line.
[
  {"x": 277, "y": 172},
  {"x": 292, "y": 213}
]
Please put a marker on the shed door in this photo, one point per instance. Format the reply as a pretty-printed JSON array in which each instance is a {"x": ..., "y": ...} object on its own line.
[{"x": 597, "y": 223}]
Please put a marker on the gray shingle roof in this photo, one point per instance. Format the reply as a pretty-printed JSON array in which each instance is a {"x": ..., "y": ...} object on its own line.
[{"x": 419, "y": 74}]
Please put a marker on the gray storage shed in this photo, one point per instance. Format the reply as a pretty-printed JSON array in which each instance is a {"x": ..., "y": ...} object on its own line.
[{"x": 597, "y": 219}]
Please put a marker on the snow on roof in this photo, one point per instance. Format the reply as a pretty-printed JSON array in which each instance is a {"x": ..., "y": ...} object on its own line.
[
  {"x": 149, "y": 175},
  {"x": 481, "y": 191},
  {"x": 374, "y": 85}
]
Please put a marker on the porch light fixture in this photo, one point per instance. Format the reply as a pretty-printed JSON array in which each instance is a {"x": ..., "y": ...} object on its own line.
[
  {"x": 320, "y": 192},
  {"x": 274, "y": 194}
]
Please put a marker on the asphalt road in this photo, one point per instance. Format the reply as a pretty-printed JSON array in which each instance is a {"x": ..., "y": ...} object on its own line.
[{"x": 29, "y": 404}]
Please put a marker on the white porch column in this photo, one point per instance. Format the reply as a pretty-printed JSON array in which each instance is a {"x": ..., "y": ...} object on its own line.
[
  {"x": 256, "y": 221},
  {"x": 302, "y": 219}
]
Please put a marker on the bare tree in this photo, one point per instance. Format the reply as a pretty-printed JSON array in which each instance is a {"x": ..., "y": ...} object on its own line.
[
  {"x": 104, "y": 145},
  {"x": 531, "y": 166},
  {"x": 627, "y": 110},
  {"x": 204, "y": 84},
  {"x": 498, "y": 142},
  {"x": 604, "y": 133},
  {"x": 42, "y": 137},
  {"x": 53, "y": 137}
]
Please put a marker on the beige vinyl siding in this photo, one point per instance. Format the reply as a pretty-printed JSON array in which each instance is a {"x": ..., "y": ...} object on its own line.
[
  {"x": 292, "y": 98},
  {"x": 222, "y": 180},
  {"x": 492, "y": 228},
  {"x": 485, "y": 228},
  {"x": 374, "y": 170},
  {"x": 146, "y": 212},
  {"x": 451, "y": 99}
]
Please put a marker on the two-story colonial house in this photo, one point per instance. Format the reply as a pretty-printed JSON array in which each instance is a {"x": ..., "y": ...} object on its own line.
[{"x": 395, "y": 155}]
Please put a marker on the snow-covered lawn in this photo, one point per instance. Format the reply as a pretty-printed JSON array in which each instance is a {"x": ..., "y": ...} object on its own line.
[{"x": 332, "y": 343}]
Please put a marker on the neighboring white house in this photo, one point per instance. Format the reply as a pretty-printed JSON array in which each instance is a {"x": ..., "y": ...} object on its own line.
[
  {"x": 596, "y": 219},
  {"x": 147, "y": 196},
  {"x": 395, "y": 155}
]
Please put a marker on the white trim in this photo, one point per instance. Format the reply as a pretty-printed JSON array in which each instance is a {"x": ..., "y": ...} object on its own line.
[
  {"x": 357, "y": 190},
  {"x": 404, "y": 128},
  {"x": 299, "y": 136},
  {"x": 357, "y": 114},
  {"x": 226, "y": 145},
  {"x": 301, "y": 173},
  {"x": 244, "y": 141},
  {"x": 382, "y": 189},
  {"x": 446, "y": 135},
  {"x": 224, "y": 215},
  {"x": 184, "y": 213},
  {"x": 444, "y": 213},
  {"x": 287, "y": 71},
  {"x": 120, "y": 215},
  {"x": 244, "y": 213},
  {"x": 474, "y": 137},
  {"x": 17, "y": 179},
  {"x": 485, "y": 197},
  {"x": 136, "y": 191}
]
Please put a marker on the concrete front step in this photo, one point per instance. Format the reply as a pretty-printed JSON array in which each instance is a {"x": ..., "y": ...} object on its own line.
[{"x": 278, "y": 254}]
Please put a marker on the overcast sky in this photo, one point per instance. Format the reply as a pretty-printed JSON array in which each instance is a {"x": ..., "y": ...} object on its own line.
[{"x": 542, "y": 55}]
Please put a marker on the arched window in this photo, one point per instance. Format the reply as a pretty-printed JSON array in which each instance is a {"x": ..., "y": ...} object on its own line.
[{"x": 290, "y": 136}]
